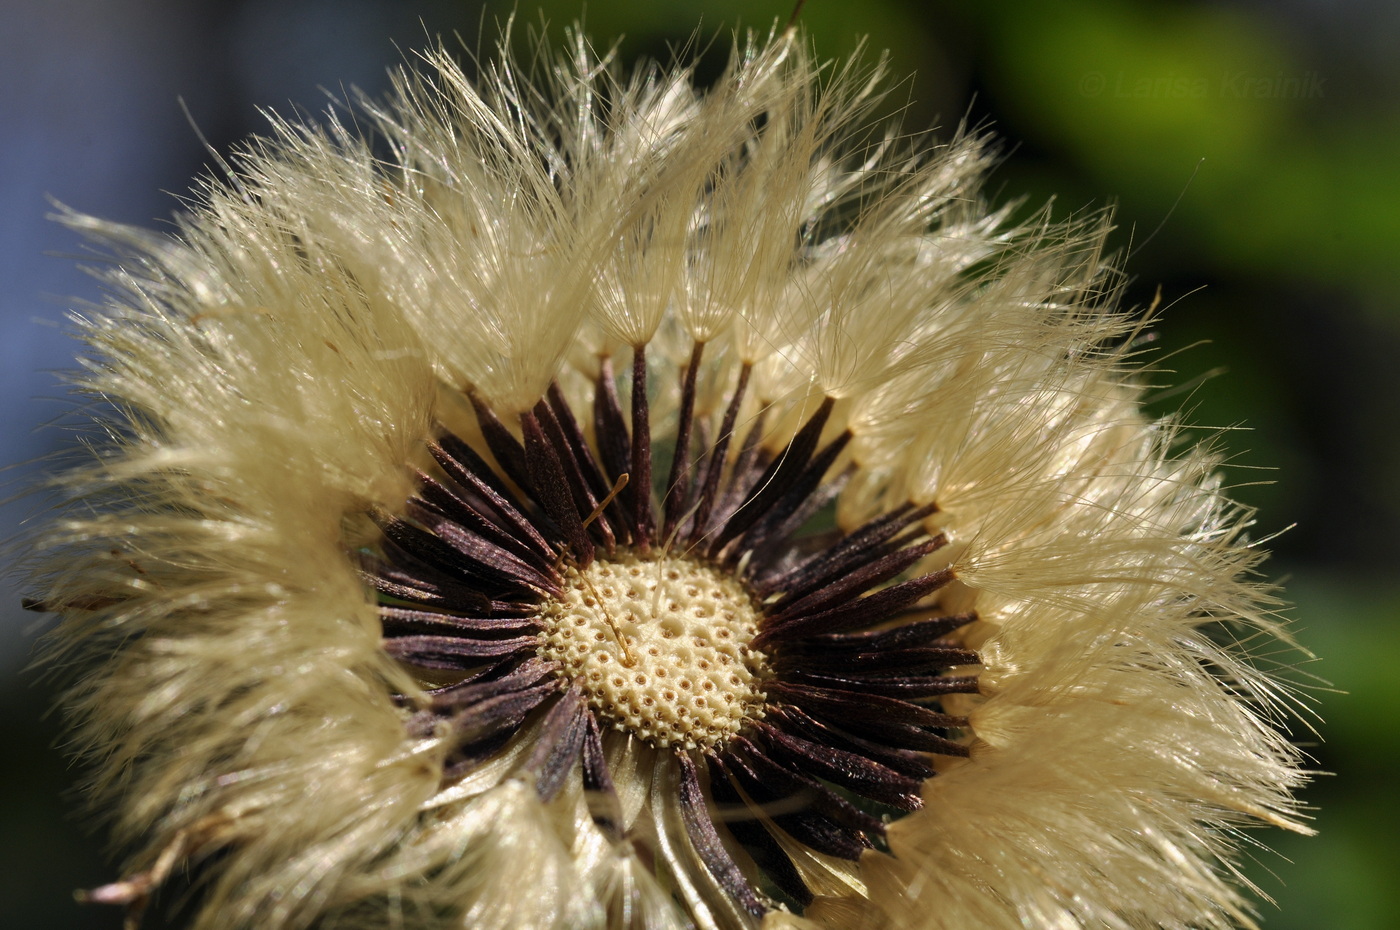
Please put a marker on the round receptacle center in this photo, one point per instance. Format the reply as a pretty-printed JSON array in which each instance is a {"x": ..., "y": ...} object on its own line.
[{"x": 660, "y": 647}]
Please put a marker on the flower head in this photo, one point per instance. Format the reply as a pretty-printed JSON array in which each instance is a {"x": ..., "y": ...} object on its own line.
[{"x": 595, "y": 501}]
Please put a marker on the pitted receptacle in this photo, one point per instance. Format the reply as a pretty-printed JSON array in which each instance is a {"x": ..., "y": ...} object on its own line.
[{"x": 660, "y": 646}]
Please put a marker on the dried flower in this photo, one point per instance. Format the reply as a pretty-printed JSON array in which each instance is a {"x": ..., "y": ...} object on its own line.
[{"x": 598, "y": 502}]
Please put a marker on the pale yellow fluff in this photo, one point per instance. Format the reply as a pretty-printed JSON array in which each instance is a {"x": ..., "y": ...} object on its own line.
[{"x": 276, "y": 364}]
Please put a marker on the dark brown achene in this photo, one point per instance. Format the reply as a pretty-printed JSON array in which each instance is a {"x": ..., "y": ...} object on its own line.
[{"x": 546, "y": 589}]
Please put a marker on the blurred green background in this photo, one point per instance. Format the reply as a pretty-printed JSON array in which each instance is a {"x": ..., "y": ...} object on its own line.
[{"x": 1252, "y": 151}]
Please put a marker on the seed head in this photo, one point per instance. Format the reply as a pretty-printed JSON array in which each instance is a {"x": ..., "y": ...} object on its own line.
[{"x": 599, "y": 502}]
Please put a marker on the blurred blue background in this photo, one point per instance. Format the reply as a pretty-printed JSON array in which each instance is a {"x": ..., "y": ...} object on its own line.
[{"x": 1252, "y": 150}]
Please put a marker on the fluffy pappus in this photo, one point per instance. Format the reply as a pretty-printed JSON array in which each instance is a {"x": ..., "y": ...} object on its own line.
[{"x": 585, "y": 500}]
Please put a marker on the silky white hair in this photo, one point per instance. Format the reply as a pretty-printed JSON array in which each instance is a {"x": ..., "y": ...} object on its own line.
[{"x": 276, "y": 364}]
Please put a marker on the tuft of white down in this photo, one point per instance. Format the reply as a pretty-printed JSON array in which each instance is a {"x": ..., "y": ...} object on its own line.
[{"x": 272, "y": 369}]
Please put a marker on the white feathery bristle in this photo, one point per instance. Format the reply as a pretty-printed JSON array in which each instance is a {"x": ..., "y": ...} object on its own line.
[{"x": 277, "y": 366}]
